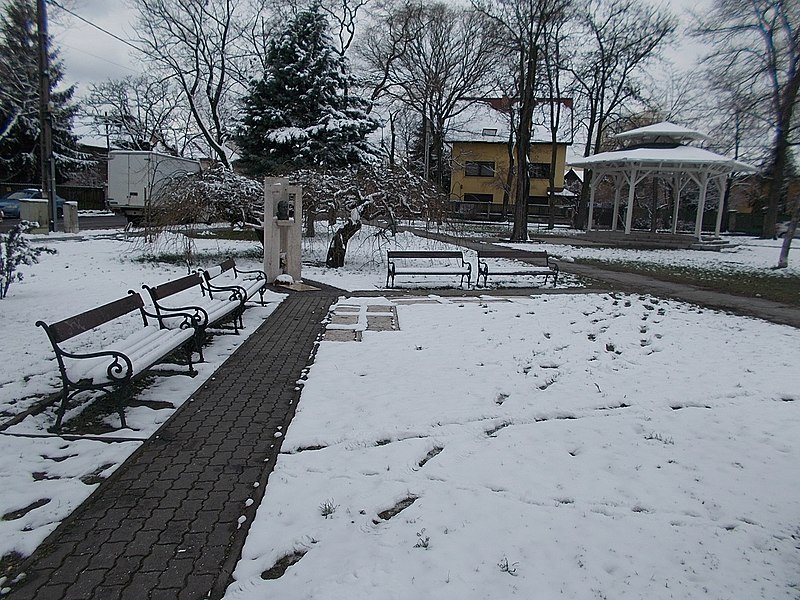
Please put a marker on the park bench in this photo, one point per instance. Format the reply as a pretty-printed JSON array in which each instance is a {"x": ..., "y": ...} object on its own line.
[
  {"x": 427, "y": 262},
  {"x": 526, "y": 263},
  {"x": 218, "y": 280},
  {"x": 88, "y": 365},
  {"x": 207, "y": 311}
]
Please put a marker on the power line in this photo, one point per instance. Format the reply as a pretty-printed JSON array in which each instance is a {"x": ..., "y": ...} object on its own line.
[
  {"x": 97, "y": 57},
  {"x": 88, "y": 22}
]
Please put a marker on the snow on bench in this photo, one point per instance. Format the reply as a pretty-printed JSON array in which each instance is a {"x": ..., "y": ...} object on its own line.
[
  {"x": 427, "y": 262},
  {"x": 115, "y": 366}
]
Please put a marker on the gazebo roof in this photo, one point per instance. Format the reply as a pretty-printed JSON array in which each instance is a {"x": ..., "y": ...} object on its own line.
[
  {"x": 664, "y": 132},
  {"x": 664, "y": 158},
  {"x": 656, "y": 151}
]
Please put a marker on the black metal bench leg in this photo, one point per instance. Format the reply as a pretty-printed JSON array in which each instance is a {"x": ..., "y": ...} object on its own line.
[
  {"x": 56, "y": 428},
  {"x": 122, "y": 395},
  {"x": 199, "y": 341},
  {"x": 189, "y": 349}
]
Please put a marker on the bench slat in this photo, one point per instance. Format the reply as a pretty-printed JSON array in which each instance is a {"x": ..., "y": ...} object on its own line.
[
  {"x": 175, "y": 286},
  {"x": 424, "y": 254},
  {"x": 69, "y": 328}
]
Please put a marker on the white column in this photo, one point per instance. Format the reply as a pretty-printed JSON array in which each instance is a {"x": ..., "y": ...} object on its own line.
[
  {"x": 701, "y": 205},
  {"x": 617, "y": 191},
  {"x": 631, "y": 194},
  {"x": 676, "y": 193},
  {"x": 721, "y": 190},
  {"x": 592, "y": 187}
]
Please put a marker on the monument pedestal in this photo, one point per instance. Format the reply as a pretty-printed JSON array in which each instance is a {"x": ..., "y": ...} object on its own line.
[{"x": 283, "y": 221}]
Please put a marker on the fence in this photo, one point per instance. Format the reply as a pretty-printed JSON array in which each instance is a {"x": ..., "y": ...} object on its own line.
[
  {"x": 88, "y": 198},
  {"x": 491, "y": 211}
]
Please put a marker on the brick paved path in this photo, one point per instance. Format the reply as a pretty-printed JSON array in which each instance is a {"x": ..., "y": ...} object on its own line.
[{"x": 165, "y": 525}]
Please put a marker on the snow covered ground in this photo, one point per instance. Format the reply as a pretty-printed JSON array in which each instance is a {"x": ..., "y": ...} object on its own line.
[
  {"x": 54, "y": 475},
  {"x": 579, "y": 443},
  {"x": 365, "y": 268},
  {"x": 750, "y": 255},
  {"x": 577, "y": 446}
]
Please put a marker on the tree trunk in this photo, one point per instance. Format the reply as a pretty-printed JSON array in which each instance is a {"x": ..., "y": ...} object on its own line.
[
  {"x": 311, "y": 216},
  {"x": 338, "y": 246},
  {"x": 783, "y": 260},
  {"x": 520, "y": 230},
  {"x": 780, "y": 154}
]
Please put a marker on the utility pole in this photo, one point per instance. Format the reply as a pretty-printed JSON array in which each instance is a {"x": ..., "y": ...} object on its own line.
[{"x": 48, "y": 165}]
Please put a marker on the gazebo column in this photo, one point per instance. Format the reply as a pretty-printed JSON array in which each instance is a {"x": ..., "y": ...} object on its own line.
[
  {"x": 617, "y": 192},
  {"x": 596, "y": 175},
  {"x": 721, "y": 189},
  {"x": 701, "y": 205},
  {"x": 677, "y": 185},
  {"x": 631, "y": 194}
]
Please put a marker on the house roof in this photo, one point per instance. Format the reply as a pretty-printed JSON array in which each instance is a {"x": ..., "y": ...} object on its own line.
[{"x": 488, "y": 120}]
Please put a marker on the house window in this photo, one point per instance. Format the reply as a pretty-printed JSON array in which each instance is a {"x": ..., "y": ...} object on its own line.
[
  {"x": 539, "y": 170},
  {"x": 478, "y": 198},
  {"x": 479, "y": 168},
  {"x": 491, "y": 132}
]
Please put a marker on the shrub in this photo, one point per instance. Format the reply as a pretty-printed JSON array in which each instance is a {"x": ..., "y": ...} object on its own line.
[{"x": 15, "y": 250}]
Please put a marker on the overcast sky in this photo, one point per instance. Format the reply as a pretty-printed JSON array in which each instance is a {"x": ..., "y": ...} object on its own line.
[{"x": 90, "y": 55}]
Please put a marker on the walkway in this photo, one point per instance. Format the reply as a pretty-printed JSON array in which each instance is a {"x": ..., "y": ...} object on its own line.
[
  {"x": 642, "y": 284},
  {"x": 172, "y": 520},
  {"x": 167, "y": 523}
]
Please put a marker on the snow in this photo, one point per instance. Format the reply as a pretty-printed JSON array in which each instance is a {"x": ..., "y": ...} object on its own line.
[
  {"x": 583, "y": 446},
  {"x": 475, "y": 121},
  {"x": 87, "y": 271},
  {"x": 665, "y": 129},
  {"x": 749, "y": 255},
  {"x": 682, "y": 157},
  {"x": 576, "y": 444}
]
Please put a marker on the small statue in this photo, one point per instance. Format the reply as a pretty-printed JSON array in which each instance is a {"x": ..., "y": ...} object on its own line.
[{"x": 283, "y": 210}]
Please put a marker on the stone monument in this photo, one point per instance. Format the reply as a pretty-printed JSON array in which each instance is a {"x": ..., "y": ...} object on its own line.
[{"x": 283, "y": 221}]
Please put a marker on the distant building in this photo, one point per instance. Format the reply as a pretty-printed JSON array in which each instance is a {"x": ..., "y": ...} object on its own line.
[{"x": 482, "y": 142}]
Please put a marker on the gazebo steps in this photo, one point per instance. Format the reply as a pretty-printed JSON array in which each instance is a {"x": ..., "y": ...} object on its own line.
[
  {"x": 648, "y": 240},
  {"x": 640, "y": 239},
  {"x": 712, "y": 244}
]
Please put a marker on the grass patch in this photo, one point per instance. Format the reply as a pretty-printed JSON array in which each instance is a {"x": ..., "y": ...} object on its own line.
[
  {"x": 202, "y": 258},
  {"x": 779, "y": 288},
  {"x": 247, "y": 235}
]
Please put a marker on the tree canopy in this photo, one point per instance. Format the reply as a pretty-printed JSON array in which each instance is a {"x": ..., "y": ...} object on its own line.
[
  {"x": 19, "y": 101},
  {"x": 303, "y": 112}
]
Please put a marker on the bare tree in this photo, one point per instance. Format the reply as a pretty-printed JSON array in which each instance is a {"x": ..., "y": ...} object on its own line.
[
  {"x": 557, "y": 60},
  {"x": 344, "y": 16},
  {"x": 138, "y": 112},
  {"x": 621, "y": 37},
  {"x": 435, "y": 55},
  {"x": 520, "y": 31},
  {"x": 757, "y": 50},
  {"x": 395, "y": 23},
  {"x": 195, "y": 44},
  {"x": 368, "y": 193}
]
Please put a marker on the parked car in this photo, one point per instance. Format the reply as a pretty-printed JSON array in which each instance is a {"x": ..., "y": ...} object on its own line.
[
  {"x": 9, "y": 204},
  {"x": 782, "y": 228}
]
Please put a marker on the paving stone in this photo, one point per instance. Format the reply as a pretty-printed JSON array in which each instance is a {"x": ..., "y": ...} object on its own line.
[
  {"x": 165, "y": 524},
  {"x": 140, "y": 585}
]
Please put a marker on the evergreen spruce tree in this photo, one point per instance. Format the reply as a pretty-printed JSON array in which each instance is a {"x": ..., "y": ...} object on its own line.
[
  {"x": 19, "y": 101},
  {"x": 301, "y": 114}
]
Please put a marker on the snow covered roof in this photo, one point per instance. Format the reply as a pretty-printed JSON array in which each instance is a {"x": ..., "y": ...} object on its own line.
[
  {"x": 486, "y": 120},
  {"x": 663, "y": 132},
  {"x": 664, "y": 158}
]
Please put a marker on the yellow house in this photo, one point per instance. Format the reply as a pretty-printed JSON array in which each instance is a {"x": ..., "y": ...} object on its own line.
[{"x": 479, "y": 140}]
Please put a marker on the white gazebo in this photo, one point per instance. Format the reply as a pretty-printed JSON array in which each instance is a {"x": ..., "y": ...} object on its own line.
[{"x": 661, "y": 150}]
